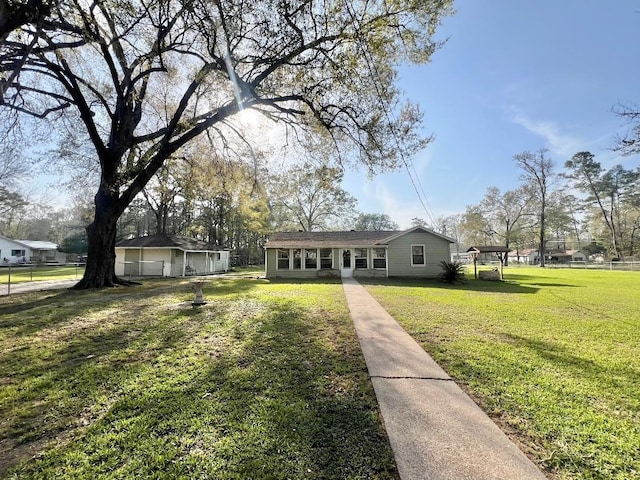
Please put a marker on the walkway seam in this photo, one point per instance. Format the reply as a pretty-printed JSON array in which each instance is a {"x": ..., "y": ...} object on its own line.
[
  {"x": 435, "y": 430},
  {"x": 391, "y": 377}
]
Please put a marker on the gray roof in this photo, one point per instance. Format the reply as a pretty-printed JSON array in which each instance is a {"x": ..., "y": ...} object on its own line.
[
  {"x": 489, "y": 249},
  {"x": 166, "y": 241},
  {"x": 38, "y": 244},
  {"x": 350, "y": 238},
  {"x": 328, "y": 239}
]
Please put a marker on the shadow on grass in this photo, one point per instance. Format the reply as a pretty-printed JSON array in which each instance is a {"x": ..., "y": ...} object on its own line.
[
  {"x": 536, "y": 280},
  {"x": 240, "y": 388},
  {"x": 78, "y": 302},
  {"x": 506, "y": 286},
  {"x": 617, "y": 378}
]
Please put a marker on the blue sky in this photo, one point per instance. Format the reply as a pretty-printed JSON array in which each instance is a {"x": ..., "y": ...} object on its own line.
[{"x": 514, "y": 75}]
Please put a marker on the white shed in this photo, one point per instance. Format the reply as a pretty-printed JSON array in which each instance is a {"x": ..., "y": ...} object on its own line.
[{"x": 169, "y": 256}]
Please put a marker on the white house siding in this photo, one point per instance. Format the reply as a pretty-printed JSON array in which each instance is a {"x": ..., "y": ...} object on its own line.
[
  {"x": 399, "y": 255},
  {"x": 6, "y": 247},
  {"x": 127, "y": 261},
  {"x": 153, "y": 261},
  {"x": 207, "y": 262},
  {"x": 167, "y": 261}
]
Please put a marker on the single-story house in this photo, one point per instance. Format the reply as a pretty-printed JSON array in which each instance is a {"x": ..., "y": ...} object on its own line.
[
  {"x": 566, "y": 256},
  {"x": 29, "y": 251},
  {"x": 526, "y": 256},
  {"x": 168, "y": 256},
  {"x": 416, "y": 252},
  {"x": 530, "y": 256}
]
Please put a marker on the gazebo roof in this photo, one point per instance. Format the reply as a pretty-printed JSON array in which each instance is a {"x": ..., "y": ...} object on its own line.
[{"x": 488, "y": 249}]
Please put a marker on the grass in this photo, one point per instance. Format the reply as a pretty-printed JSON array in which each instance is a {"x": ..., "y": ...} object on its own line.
[
  {"x": 266, "y": 381},
  {"x": 33, "y": 273},
  {"x": 552, "y": 355}
]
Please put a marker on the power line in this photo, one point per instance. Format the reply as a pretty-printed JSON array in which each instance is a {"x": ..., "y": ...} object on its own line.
[{"x": 386, "y": 109}]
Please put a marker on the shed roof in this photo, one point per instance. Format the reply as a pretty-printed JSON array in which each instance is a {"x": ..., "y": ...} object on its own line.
[
  {"x": 489, "y": 249},
  {"x": 164, "y": 240}
]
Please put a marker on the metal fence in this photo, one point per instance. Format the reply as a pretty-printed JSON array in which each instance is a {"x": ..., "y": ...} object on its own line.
[
  {"x": 12, "y": 275},
  {"x": 144, "y": 268},
  {"x": 622, "y": 266}
]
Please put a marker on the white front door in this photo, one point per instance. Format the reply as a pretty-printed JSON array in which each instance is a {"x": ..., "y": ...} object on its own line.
[{"x": 346, "y": 263}]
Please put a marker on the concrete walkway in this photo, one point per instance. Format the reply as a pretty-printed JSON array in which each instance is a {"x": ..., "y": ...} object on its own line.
[
  {"x": 436, "y": 431},
  {"x": 37, "y": 286}
]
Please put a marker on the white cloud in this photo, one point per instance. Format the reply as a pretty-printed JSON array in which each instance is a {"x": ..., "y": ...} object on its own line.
[
  {"x": 400, "y": 211},
  {"x": 558, "y": 143}
]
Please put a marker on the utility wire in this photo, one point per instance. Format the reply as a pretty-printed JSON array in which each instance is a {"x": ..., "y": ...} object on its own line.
[{"x": 387, "y": 109}]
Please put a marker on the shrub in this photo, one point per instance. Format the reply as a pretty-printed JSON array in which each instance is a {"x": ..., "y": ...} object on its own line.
[{"x": 452, "y": 272}]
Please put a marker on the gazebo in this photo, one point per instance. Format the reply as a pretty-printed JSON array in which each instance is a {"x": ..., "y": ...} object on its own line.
[{"x": 501, "y": 252}]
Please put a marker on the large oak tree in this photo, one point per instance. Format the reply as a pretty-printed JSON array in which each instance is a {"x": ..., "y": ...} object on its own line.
[{"x": 146, "y": 77}]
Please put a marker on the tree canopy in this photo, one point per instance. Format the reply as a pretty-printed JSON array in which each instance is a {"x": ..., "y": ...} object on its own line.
[{"x": 144, "y": 79}]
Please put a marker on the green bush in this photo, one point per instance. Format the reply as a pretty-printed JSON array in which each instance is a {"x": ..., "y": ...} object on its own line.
[{"x": 452, "y": 272}]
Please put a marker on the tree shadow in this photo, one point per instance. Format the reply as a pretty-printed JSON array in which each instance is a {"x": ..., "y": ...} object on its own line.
[
  {"x": 505, "y": 286},
  {"x": 70, "y": 302},
  {"x": 536, "y": 280},
  {"x": 616, "y": 378},
  {"x": 236, "y": 389}
]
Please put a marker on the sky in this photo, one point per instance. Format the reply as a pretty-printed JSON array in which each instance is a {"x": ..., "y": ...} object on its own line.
[{"x": 513, "y": 76}]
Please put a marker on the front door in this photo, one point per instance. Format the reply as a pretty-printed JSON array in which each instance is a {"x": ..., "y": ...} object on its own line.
[{"x": 346, "y": 270}]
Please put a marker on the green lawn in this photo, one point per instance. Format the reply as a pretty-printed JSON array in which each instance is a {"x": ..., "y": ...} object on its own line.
[
  {"x": 266, "y": 381},
  {"x": 33, "y": 273},
  {"x": 553, "y": 355}
]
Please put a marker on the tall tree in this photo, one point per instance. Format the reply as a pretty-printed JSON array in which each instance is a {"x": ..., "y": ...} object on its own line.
[
  {"x": 310, "y": 198},
  {"x": 607, "y": 190},
  {"x": 629, "y": 143},
  {"x": 15, "y": 14},
  {"x": 419, "y": 222},
  {"x": 538, "y": 172},
  {"x": 375, "y": 221},
  {"x": 146, "y": 78},
  {"x": 507, "y": 211}
]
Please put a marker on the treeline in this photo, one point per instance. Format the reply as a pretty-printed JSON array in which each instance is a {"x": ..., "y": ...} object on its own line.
[
  {"x": 229, "y": 204},
  {"x": 582, "y": 206}
]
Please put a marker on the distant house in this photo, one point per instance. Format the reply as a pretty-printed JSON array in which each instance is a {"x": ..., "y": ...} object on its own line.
[
  {"x": 29, "y": 251},
  {"x": 527, "y": 256},
  {"x": 566, "y": 256},
  {"x": 416, "y": 252},
  {"x": 168, "y": 256}
]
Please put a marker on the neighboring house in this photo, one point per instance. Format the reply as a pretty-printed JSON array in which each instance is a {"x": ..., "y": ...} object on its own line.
[
  {"x": 29, "y": 251},
  {"x": 566, "y": 256},
  {"x": 416, "y": 252},
  {"x": 168, "y": 256},
  {"x": 527, "y": 256}
]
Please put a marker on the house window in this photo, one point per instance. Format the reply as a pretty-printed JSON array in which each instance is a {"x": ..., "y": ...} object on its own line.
[
  {"x": 360, "y": 255},
  {"x": 283, "y": 259},
  {"x": 326, "y": 258},
  {"x": 297, "y": 259},
  {"x": 417, "y": 256},
  {"x": 379, "y": 257},
  {"x": 311, "y": 259},
  {"x": 18, "y": 253}
]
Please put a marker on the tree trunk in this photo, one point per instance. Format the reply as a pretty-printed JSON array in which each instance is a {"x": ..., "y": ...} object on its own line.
[
  {"x": 543, "y": 240},
  {"x": 101, "y": 251}
]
